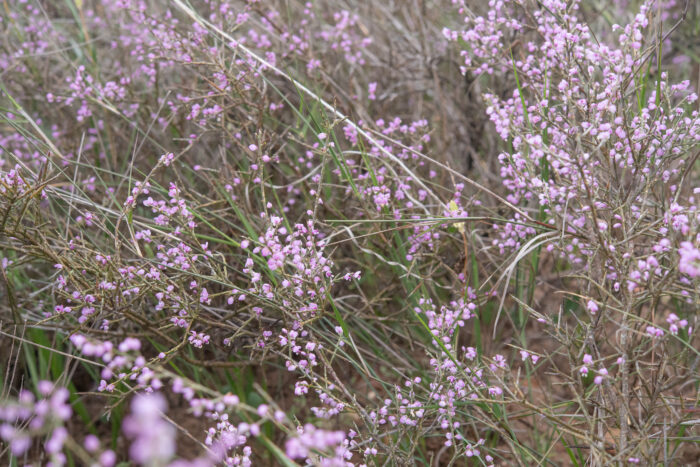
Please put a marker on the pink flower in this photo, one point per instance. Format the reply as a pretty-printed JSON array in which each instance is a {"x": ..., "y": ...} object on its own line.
[
  {"x": 592, "y": 307},
  {"x": 311, "y": 438},
  {"x": 167, "y": 159},
  {"x": 153, "y": 439},
  {"x": 690, "y": 260},
  {"x": 371, "y": 90}
]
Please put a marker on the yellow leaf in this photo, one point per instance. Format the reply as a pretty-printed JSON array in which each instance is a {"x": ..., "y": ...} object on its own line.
[{"x": 452, "y": 206}]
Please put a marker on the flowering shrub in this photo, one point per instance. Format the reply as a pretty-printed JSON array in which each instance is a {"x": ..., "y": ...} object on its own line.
[{"x": 236, "y": 232}]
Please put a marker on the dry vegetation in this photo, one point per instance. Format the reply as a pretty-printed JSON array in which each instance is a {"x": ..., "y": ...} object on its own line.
[{"x": 344, "y": 232}]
